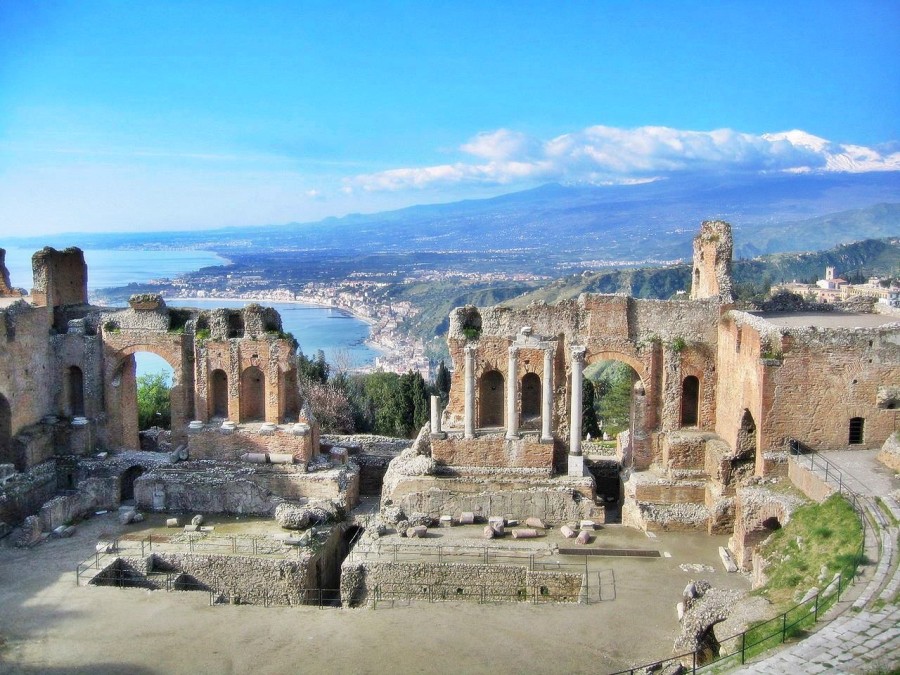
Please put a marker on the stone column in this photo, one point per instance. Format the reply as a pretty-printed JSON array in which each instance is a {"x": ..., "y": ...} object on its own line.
[
  {"x": 470, "y": 391},
  {"x": 576, "y": 461},
  {"x": 547, "y": 398},
  {"x": 436, "y": 418},
  {"x": 512, "y": 381}
]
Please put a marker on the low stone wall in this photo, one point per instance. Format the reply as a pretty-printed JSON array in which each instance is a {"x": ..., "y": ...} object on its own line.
[
  {"x": 493, "y": 450},
  {"x": 250, "y": 489},
  {"x": 24, "y": 494},
  {"x": 808, "y": 482},
  {"x": 92, "y": 494},
  {"x": 212, "y": 442},
  {"x": 214, "y": 490},
  {"x": 246, "y": 579},
  {"x": 557, "y": 500},
  {"x": 365, "y": 581}
]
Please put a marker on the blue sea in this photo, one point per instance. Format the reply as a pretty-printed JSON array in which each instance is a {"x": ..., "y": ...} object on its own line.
[{"x": 339, "y": 334}]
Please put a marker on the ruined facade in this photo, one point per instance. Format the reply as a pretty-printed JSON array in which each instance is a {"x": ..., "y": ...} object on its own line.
[
  {"x": 719, "y": 396},
  {"x": 68, "y": 392}
]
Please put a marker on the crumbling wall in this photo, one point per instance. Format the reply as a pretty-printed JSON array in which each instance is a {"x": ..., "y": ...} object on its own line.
[
  {"x": 249, "y": 580},
  {"x": 24, "y": 493},
  {"x": 212, "y": 442},
  {"x": 713, "y": 247},
  {"x": 362, "y": 581},
  {"x": 60, "y": 277},
  {"x": 493, "y": 450}
]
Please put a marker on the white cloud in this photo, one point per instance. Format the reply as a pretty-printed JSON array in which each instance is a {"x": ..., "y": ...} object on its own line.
[{"x": 601, "y": 154}]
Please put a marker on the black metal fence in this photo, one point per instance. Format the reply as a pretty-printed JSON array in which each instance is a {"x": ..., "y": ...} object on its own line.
[{"x": 737, "y": 649}]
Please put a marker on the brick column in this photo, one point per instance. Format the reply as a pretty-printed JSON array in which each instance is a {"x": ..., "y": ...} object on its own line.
[{"x": 512, "y": 381}]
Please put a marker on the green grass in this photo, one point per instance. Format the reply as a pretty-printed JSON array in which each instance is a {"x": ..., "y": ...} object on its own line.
[
  {"x": 818, "y": 535},
  {"x": 827, "y": 534}
]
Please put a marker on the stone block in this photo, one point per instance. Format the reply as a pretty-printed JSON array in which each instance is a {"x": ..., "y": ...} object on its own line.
[
  {"x": 535, "y": 523},
  {"x": 587, "y": 525},
  {"x": 446, "y": 521},
  {"x": 172, "y": 522},
  {"x": 567, "y": 532},
  {"x": 467, "y": 518},
  {"x": 416, "y": 532},
  {"x": 584, "y": 537}
]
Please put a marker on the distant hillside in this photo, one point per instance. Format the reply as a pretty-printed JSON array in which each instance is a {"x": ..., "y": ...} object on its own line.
[
  {"x": 554, "y": 228},
  {"x": 859, "y": 260}
]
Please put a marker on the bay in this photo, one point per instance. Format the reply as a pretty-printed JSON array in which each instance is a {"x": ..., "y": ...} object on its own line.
[
  {"x": 340, "y": 335},
  {"x": 115, "y": 267}
]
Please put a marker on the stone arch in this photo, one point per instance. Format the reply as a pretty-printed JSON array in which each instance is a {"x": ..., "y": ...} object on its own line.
[
  {"x": 637, "y": 450},
  {"x": 218, "y": 393},
  {"x": 491, "y": 402},
  {"x": 126, "y": 482},
  {"x": 690, "y": 401},
  {"x": 120, "y": 389},
  {"x": 6, "y": 449},
  {"x": 636, "y": 364},
  {"x": 74, "y": 382},
  {"x": 253, "y": 395},
  {"x": 531, "y": 397},
  {"x": 753, "y": 527}
]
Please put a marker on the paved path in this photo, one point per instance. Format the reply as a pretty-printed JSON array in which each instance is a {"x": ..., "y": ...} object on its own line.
[{"x": 865, "y": 638}]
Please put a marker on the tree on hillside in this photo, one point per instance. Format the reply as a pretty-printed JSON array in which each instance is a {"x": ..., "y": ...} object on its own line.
[
  {"x": 154, "y": 406},
  {"x": 442, "y": 382},
  {"x": 589, "y": 423}
]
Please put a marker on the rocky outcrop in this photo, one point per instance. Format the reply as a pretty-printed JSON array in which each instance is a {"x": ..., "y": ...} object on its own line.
[
  {"x": 704, "y": 608},
  {"x": 890, "y": 452}
]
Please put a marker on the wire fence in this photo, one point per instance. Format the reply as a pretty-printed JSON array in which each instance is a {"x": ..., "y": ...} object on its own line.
[{"x": 737, "y": 649}]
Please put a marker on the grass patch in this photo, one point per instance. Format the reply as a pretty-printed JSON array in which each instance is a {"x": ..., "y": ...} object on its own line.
[{"x": 825, "y": 535}]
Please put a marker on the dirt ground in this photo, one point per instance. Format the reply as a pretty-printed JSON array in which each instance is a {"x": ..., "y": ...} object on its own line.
[{"x": 50, "y": 625}]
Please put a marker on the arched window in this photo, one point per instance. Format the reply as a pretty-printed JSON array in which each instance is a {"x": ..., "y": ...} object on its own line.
[
  {"x": 690, "y": 401},
  {"x": 218, "y": 385},
  {"x": 857, "y": 429},
  {"x": 531, "y": 396},
  {"x": 490, "y": 397},
  {"x": 253, "y": 395},
  {"x": 75, "y": 392}
]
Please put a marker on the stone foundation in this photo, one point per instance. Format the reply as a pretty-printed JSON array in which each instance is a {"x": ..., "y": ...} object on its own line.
[{"x": 363, "y": 582}]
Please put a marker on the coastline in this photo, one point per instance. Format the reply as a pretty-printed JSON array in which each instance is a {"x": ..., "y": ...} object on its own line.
[{"x": 372, "y": 342}]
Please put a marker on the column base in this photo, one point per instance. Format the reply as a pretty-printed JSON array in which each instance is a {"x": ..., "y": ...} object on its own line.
[
  {"x": 439, "y": 435},
  {"x": 546, "y": 439},
  {"x": 576, "y": 466},
  {"x": 512, "y": 437}
]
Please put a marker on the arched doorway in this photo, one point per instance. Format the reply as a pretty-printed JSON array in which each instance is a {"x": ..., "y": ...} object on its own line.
[
  {"x": 690, "y": 401},
  {"x": 142, "y": 393},
  {"x": 75, "y": 392},
  {"x": 490, "y": 400},
  {"x": 253, "y": 395},
  {"x": 614, "y": 390},
  {"x": 531, "y": 399},
  {"x": 218, "y": 395},
  {"x": 5, "y": 432},
  {"x": 126, "y": 490}
]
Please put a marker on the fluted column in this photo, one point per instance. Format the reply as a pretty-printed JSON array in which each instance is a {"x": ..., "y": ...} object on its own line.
[
  {"x": 547, "y": 397},
  {"x": 469, "y": 412},
  {"x": 512, "y": 381},
  {"x": 576, "y": 461}
]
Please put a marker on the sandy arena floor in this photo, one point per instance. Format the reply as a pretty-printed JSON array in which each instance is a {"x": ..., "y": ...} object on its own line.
[{"x": 49, "y": 625}]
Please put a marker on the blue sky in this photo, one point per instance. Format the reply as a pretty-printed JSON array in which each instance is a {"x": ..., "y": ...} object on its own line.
[{"x": 174, "y": 115}]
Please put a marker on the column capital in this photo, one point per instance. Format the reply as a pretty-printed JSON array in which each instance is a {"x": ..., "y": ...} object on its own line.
[
  {"x": 514, "y": 350},
  {"x": 578, "y": 353},
  {"x": 470, "y": 349}
]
